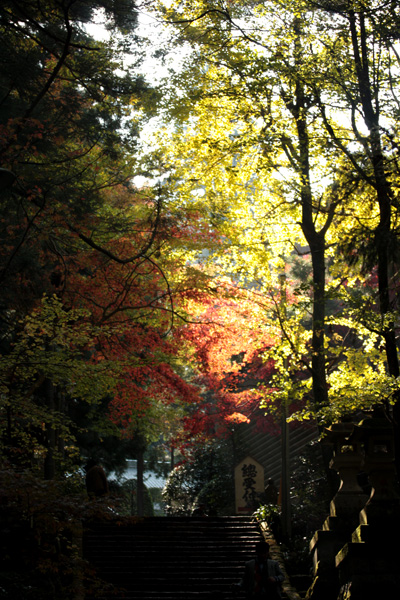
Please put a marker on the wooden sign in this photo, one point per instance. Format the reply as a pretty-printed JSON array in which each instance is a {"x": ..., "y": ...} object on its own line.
[{"x": 249, "y": 484}]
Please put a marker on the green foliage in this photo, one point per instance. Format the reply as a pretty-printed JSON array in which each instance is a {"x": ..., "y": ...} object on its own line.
[
  {"x": 44, "y": 370},
  {"x": 310, "y": 495},
  {"x": 286, "y": 127},
  {"x": 280, "y": 137},
  {"x": 85, "y": 305},
  {"x": 124, "y": 494},
  {"x": 204, "y": 478},
  {"x": 310, "y": 492},
  {"x": 268, "y": 513}
]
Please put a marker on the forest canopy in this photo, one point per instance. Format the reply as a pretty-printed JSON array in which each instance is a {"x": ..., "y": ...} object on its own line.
[{"x": 256, "y": 264}]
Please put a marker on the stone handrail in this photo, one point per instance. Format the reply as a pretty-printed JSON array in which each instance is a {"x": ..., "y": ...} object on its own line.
[{"x": 276, "y": 554}]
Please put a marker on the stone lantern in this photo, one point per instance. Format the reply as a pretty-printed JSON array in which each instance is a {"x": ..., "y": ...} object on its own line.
[
  {"x": 376, "y": 434},
  {"x": 347, "y": 461},
  {"x": 344, "y": 511},
  {"x": 368, "y": 565}
]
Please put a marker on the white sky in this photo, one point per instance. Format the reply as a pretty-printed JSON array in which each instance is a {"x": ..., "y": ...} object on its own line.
[{"x": 155, "y": 31}]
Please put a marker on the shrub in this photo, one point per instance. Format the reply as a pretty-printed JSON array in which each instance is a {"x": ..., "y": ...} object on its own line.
[
  {"x": 206, "y": 477},
  {"x": 40, "y": 536}
]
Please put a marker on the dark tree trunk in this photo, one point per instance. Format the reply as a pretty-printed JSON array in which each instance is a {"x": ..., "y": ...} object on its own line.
[
  {"x": 140, "y": 483},
  {"x": 383, "y": 234},
  {"x": 316, "y": 241},
  {"x": 49, "y": 461}
]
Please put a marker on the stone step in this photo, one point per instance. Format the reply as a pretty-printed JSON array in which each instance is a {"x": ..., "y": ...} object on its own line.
[
  {"x": 163, "y": 594},
  {"x": 168, "y": 558}
]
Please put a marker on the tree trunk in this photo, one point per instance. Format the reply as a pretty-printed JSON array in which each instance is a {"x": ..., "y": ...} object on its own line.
[
  {"x": 140, "y": 483},
  {"x": 49, "y": 461},
  {"x": 316, "y": 241},
  {"x": 383, "y": 234}
]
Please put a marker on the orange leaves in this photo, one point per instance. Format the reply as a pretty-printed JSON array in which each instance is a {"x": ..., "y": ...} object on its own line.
[
  {"x": 227, "y": 343},
  {"x": 237, "y": 417},
  {"x": 229, "y": 332}
]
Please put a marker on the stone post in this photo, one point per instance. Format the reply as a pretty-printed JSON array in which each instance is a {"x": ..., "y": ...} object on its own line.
[
  {"x": 344, "y": 510},
  {"x": 368, "y": 566}
]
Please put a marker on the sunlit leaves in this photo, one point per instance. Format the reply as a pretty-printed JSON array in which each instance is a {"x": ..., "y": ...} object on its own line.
[{"x": 277, "y": 144}]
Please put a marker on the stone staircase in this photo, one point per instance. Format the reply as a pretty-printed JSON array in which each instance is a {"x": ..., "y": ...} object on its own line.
[{"x": 170, "y": 558}]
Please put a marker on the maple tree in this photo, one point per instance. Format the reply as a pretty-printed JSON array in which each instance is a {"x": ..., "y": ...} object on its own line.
[
  {"x": 231, "y": 173},
  {"x": 227, "y": 343},
  {"x": 75, "y": 229},
  {"x": 100, "y": 290},
  {"x": 285, "y": 139},
  {"x": 267, "y": 159}
]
